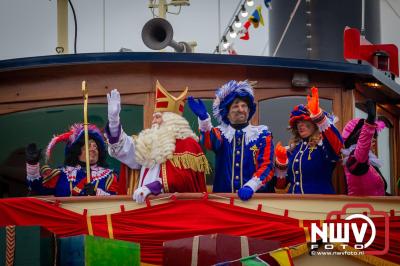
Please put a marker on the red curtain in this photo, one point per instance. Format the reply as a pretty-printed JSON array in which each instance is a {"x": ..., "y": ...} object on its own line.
[{"x": 151, "y": 226}]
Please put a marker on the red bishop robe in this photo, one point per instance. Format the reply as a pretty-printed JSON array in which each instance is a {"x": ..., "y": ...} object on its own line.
[{"x": 184, "y": 172}]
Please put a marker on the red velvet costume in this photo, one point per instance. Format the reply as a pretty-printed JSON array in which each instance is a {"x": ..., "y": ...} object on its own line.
[
  {"x": 177, "y": 178},
  {"x": 168, "y": 155}
]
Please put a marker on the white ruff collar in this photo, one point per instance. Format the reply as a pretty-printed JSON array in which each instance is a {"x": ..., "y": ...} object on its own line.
[
  {"x": 97, "y": 172},
  {"x": 251, "y": 132},
  {"x": 373, "y": 159}
]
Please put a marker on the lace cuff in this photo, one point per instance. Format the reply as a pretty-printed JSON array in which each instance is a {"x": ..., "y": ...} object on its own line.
[{"x": 32, "y": 171}]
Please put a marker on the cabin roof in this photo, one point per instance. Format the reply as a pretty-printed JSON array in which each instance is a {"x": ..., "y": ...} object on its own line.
[{"x": 363, "y": 71}]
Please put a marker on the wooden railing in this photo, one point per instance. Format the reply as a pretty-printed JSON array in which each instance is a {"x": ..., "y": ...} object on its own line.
[{"x": 296, "y": 206}]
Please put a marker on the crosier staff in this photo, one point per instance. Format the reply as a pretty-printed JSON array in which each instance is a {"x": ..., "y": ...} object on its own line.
[{"x": 85, "y": 126}]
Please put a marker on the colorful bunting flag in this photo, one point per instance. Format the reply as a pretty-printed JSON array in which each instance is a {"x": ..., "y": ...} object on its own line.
[
  {"x": 282, "y": 256},
  {"x": 253, "y": 261},
  {"x": 279, "y": 257},
  {"x": 268, "y": 259},
  {"x": 228, "y": 263},
  {"x": 244, "y": 31},
  {"x": 256, "y": 18},
  {"x": 232, "y": 51},
  {"x": 268, "y": 4},
  {"x": 229, "y": 49}
]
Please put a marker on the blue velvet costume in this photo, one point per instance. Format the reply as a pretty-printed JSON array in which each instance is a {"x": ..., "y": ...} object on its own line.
[
  {"x": 240, "y": 155},
  {"x": 69, "y": 181},
  {"x": 309, "y": 168},
  {"x": 244, "y": 153}
]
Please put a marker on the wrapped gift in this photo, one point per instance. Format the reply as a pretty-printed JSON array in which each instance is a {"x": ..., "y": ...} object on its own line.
[
  {"x": 212, "y": 249},
  {"x": 84, "y": 250},
  {"x": 26, "y": 245}
]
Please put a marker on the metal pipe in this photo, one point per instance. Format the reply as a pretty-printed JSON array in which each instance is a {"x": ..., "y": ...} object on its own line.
[{"x": 363, "y": 18}]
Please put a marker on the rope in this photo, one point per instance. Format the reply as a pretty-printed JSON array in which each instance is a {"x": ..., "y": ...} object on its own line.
[
  {"x": 393, "y": 9},
  {"x": 287, "y": 27},
  {"x": 230, "y": 23},
  {"x": 257, "y": 255}
]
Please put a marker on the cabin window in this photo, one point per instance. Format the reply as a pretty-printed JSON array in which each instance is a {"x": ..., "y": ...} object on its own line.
[
  {"x": 192, "y": 119},
  {"x": 275, "y": 114},
  {"x": 384, "y": 149},
  {"x": 39, "y": 126},
  {"x": 384, "y": 155}
]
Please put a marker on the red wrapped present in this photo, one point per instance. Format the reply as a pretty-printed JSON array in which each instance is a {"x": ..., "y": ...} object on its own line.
[{"x": 212, "y": 249}]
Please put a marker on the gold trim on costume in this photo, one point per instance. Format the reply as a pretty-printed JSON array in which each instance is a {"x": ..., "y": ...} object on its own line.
[
  {"x": 133, "y": 180},
  {"x": 311, "y": 150},
  {"x": 135, "y": 177},
  {"x": 164, "y": 177},
  {"x": 233, "y": 163},
  {"x": 301, "y": 172},
  {"x": 241, "y": 163},
  {"x": 130, "y": 175},
  {"x": 109, "y": 181},
  {"x": 97, "y": 184},
  {"x": 255, "y": 149},
  {"x": 109, "y": 227},
  {"x": 46, "y": 168},
  {"x": 48, "y": 176},
  {"x": 188, "y": 160},
  {"x": 294, "y": 172}
]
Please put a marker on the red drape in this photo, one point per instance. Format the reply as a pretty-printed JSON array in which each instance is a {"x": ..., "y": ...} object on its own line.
[
  {"x": 123, "y": 170},
  {"x": 379, "y": 241},
  {"x": 151, "y": 226},
  {"x": 32, "y": 211},
  {"x": 185, "y": 218}
]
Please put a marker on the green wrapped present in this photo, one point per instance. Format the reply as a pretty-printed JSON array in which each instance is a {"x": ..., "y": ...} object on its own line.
[
  {"x": 26, "y": 245},
  {"x": 84, "y": 250}
]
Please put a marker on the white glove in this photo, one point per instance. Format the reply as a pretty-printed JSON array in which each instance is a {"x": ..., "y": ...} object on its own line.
[
  {"x": 140, "y": 194},
  {"x": 100, "y": 192},
  {"x": 114, "y": 108}
]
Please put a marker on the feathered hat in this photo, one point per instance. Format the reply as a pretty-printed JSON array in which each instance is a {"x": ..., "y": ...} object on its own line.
[
  {"x": 354, "y": 126},
  {"x": 73, "y": 135},
  {"x": 299, "y": 112},
  {"x": 225, "y": 96}
]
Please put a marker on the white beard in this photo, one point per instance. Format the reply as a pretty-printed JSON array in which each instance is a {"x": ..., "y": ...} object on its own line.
[
  {"x": 154, "y": 146},
  {"x": 157, "y": 144}
]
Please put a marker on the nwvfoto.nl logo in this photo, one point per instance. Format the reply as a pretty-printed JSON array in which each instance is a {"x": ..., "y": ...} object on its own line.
[{"x": 336, "y": 233}]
